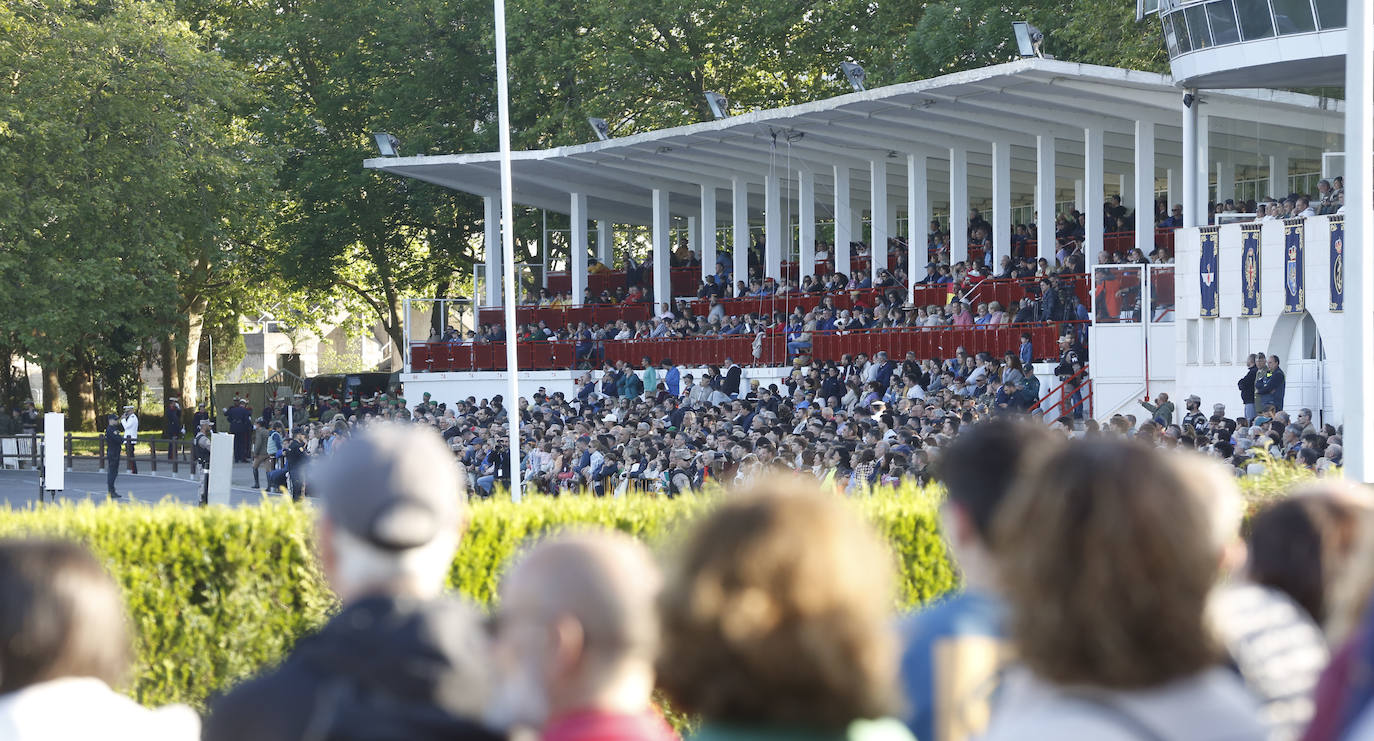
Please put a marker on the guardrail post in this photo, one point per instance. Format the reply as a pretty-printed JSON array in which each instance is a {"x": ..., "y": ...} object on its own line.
[
  {"x": 172, "y": 453},
  {"x": 68, "y": 457},
  {"x": 152, "y": 454}
]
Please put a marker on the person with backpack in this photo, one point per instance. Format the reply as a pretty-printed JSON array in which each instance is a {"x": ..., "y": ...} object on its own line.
[{"x": 276, "y": 445}]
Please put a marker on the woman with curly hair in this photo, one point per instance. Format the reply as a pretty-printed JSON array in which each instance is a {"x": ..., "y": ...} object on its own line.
[{"x": 777, "y": 621}]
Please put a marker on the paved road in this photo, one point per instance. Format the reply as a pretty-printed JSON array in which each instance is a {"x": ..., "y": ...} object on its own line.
[{"x": 20, "y": 488}]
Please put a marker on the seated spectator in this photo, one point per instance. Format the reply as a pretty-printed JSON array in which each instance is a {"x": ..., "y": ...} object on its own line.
[
  {"x": 576, "y": 636},
  {"x": 399, "y": 661},
  {"x": 776, "y": 621},
  {"x": 63, "y": 645},
  {"x": 1114, "y": 653}
]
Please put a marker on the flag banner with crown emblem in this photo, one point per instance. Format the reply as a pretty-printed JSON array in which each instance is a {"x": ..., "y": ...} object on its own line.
[
  {"x": 1250, "y": 270},
  {"x": 1294, "y": 292},
  {"x": 1337, "y": 263},
  {"x": 1207, "y": 272}
]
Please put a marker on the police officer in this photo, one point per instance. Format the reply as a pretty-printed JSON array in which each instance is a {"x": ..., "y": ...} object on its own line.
[
  {"x": 114, "y": 440},
  {"x": 172, "y": 428},
  {"x": 201, "y": 447},
  {"x": 130, "y": 422}
]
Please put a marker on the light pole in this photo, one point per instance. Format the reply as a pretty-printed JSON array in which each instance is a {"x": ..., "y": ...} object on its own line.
[{"x": 508, "y": 249}]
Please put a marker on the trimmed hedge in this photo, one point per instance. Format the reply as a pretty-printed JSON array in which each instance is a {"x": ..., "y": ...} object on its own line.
[{"x": 216, "y": 594}]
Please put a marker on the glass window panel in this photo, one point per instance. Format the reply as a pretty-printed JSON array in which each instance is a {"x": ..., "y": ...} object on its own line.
[
  {"x": 1162, "y": 293},
  {"x": 1223, "y": 20},
  {"x": 1170, "y": 40},
  {"x": 1181, "y": 33},
  {"x": 1255, "y": 21},
  {"x": 1293, "y": 16},
  {"x": 1331, "y": 13},
  {"x": 1116, "y": 295},
  {"x": 1197, "y": 26}
]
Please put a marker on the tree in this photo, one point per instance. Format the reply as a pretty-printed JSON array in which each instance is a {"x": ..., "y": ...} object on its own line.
[{"x": 120, "y": 178}]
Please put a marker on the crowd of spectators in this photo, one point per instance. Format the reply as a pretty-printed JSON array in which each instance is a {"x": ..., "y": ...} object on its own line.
[
  {"x": 1328, "y": 200},
  {"x": 1134, "y": 608}
]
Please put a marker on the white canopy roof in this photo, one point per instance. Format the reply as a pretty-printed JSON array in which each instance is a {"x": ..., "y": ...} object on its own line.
[{"x": 1009, "y": 103}]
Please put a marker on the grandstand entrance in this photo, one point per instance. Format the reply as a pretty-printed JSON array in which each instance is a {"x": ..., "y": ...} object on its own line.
[{"x": 1298, "y": 342}]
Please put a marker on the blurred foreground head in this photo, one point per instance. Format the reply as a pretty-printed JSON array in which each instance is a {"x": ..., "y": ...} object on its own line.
[
  {"x": 391, "y": 513},
  {"x": 577, "y": 630},
  {"x": 60, "y": 616},
  {"x": 778, "y": 613},
  {"x": 1107, "y": 553}
]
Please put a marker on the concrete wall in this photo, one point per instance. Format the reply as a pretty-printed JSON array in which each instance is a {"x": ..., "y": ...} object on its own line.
[{"x": 1211, "y": 352}]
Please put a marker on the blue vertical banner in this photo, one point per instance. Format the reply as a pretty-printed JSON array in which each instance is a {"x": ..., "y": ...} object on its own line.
[
  {"x": 1337, "y": 263},
  {"x": 1207, "y": 272},
  {"x": 1294, "y": 290},
  {"x": 1249, "y": 269}
]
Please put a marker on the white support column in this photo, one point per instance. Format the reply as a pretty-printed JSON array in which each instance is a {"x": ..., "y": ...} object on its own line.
[
  {"x": 1204, "y": 167},
  {"x": 1358, "y": 401},
  {"x": 773, "y": 226},
  {"x": 1173, "y": 187},
  {"x": 1092, "y": 194},
  {"x": 1125, "y": 187},
  {"x": 604, "y": 242},
  {"x": 1278, "y": 174},
  {"x": 1044, "y": 197},
  {"x": 578, "y": 256},
  {"x": 662, "y": 246},
  {"x": 917, "y": 222},
  {"x": 806, "y": 222},
  {"x": 491, "y": 219},
  {"x": 1190, "y": 166},
  {"x": 1145, "y": 186},
  {"x": 958, "y": 205},
  {"x": 693, "y": 234},
  {"x": 1001, "y": 203},
  {"x": 844, "y": 220},
  {"x": 1079, "y": 204},
  {"x": 739, "y": 194},
  {"x": 1226, "y": 180},
  {"x": 877, "y": 247},
  {"x": 708, "y": 231}
]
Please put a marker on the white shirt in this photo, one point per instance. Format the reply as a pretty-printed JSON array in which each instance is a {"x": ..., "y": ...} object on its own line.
[
  {"x": 130, "y": 423},
  {"x": 85, "y": 708}
]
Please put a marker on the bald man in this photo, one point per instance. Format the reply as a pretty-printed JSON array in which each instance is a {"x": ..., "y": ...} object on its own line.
[{"x": 575, "y": 641}]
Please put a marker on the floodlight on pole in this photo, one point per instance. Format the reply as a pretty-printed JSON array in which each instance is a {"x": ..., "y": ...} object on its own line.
[
  {"x": 720, "y": 105},
  {"x": 508, "y": 251},
  {"x": 387, "y": 144},
  {"x": 1028, "y": 39},
  {"x": 602, "y": 129},
  {"x": 855, "y": 74}
]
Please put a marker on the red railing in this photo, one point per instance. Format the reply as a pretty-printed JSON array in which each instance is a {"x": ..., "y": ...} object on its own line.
[
  {"x": 699, "y": 351},
  {"x": 1064, "y": 392}
]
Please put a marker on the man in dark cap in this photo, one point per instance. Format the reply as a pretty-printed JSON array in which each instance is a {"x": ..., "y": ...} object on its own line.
[{"x": 399, "y": 660}]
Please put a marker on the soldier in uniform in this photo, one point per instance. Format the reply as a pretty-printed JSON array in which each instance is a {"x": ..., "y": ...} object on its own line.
[
  {"x": 114, "y": 440},
  {"x": 130, "y": 422},
  {"x": 172, "y": 428},
  {"x": 241, "y": 426},
  {"x": 201, "y": 446}
]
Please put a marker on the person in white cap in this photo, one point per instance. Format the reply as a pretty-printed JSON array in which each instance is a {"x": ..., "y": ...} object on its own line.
[
  {"x": 399, "y": 660},
  {"x": 130, "y": 423}
]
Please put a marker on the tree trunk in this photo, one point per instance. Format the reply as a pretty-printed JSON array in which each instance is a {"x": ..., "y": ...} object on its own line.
[
  {"x": 76, "y": 382},
  {"x": 50, "y": 388},
  {"x": 193, "y": 327},
  {"x": 170, "y": 358}
]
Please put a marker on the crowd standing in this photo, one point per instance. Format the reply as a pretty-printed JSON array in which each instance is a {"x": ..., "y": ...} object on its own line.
[{"x": 1133, "y": 609}]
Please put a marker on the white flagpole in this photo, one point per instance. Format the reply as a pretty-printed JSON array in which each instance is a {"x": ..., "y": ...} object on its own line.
[{"x": 508, "y": 249}]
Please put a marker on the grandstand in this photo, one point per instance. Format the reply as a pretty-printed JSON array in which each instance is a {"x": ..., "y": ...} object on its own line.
[{"x": 788, "y": 194}]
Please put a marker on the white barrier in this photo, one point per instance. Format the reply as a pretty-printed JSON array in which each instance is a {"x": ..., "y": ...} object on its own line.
[{"x": 54, "y": 472}]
